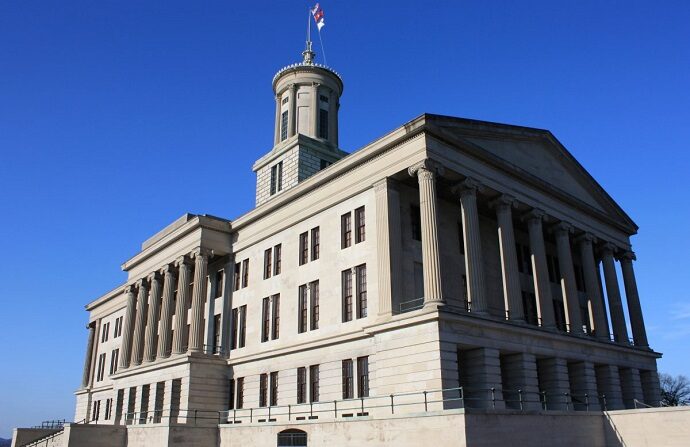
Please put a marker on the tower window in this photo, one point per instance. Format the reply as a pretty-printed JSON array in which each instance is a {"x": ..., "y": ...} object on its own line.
[
  {"x": 283, "y": 126},
  {"x": 277, "y": 178},
  {"x": 285, "y": 101},
  {"x": 323, "y": 98},
  {"x": 323, "y": 123}
]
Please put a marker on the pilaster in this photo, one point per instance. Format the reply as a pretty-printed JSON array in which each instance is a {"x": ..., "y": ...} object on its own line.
[{"x": 388, "y": 244}]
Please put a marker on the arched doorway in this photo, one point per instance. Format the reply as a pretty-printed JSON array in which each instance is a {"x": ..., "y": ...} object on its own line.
[{"x": 292, "y": 438}]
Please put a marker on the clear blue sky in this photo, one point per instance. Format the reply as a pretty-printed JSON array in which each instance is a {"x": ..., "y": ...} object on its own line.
[{"x": 116, "y": 117}]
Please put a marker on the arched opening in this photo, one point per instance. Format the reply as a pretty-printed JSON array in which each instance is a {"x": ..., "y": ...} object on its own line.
[{"x": 292, "y": 438}]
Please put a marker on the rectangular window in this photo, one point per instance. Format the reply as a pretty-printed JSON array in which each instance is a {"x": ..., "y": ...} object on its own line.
[
  {"x": 96, "y": 410},
  {"x": 118, "y": 327},
  {"x": 245, "y": 273},
  {"x": 274, "y": 389},
  {"x": 216, "y": 334},
  {"x": 347, "y": 294},
  {"x": 361, "y": 291},
  {"x": 268, "y": 267},
  {"x": 237, "y": 276},
  {"x": 363, "y": 377},
  {"x": 345, "y": 230},
  {"x": 114, "y": 358},
  {"x": 231, "y": 394},
  {"x": 314, "y": 383},
  {"x": 101, "y": 368},
  {"x": 235, "y": 324},
  {"x": 277, "y": 177},
  {"x": 263, "y": 390},
  {"x": 301, "y": 385},
  {"x": 144, "y": 409},
  {"x": 108, "y": 409},
  {"x": 314, "y": 304},
  {"x": 277, "y": 264},
  {"x": 348, "y": 380},
  {"x": 303, "y": 248},
  {"x": 104, "y": 332},
  {"x": 323, "y": 124},
  {"x": 315, "y": 244},
  {"x": 416, "y": 221},
  {"x": 265, "y": 319},
  {"x": 243, "y": 327},
  {"x": 283, "y": 126},
  {"x": 275, "y": 313},
  {"x": 302, "y": 309},
  {"x": 240, "y": 393},
  {"x": 360, "y": 229},
  {"x": 220, "y": 280}
]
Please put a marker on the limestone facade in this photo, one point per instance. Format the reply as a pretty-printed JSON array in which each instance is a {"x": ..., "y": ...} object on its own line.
[{"x": 450, "y": 263}]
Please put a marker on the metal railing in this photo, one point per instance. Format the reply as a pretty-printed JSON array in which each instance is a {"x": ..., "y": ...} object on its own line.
[
  {"x": 400, "y": 403},
  {"x": 58, "y": 425}
]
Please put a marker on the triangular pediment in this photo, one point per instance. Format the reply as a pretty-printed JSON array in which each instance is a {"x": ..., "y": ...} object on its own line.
[{"x": 532, "y": 153}]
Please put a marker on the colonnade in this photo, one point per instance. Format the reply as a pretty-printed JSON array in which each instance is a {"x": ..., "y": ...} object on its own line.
[
  {"x": 148, "y": 324},
  {"x": 564, "y": 233}
]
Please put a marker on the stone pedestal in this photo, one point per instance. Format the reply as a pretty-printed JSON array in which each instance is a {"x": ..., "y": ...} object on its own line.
[
  {"x": 583, "y": 386},
  {"x": 609, "y": 386},
  {"x": 554, "y": 382}
]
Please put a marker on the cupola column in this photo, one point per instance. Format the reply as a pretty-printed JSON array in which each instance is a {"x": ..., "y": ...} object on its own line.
[
  {"x": 292, "y": 105},
  {"x": 276, "y": 136},
  {"x": 315, "y": 110}
]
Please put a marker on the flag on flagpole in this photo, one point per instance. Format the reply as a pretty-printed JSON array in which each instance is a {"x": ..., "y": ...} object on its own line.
[{"x": 317, "y": 12}]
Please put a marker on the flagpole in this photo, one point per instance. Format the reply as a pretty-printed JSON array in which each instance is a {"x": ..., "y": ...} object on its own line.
[
  {"x": 309, "y": 26},
  {"x": 323, "y": 50}
]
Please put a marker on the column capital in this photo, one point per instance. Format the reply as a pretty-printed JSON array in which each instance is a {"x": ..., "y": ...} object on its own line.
[
  {"x": 469, "y": 186},
  {"x": 153, "y": 276},
  {"x": 502, "y": 201},
  {"x": 426, "y": 166},
  {"x": 166, "y": 269},
  {"x": 182, "y": 260},
  {"x": 626, "y": 255},
  {"x": 562, "y": 227},
  {"x": 586, "y": 238},
  {"x": 384, "y": 184},
  {"x": 201, "y": 252},
  {"x": 129, "y": 288},
  {"x": 533, "y": 215},
  {"x": 607, "y": 248},
  {"x": 143, "y": 282}
]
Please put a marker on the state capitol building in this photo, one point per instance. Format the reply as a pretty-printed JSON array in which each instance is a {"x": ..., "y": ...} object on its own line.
[{"x": 449, "y": 266}]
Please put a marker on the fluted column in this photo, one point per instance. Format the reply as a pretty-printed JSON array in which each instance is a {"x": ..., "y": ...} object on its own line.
[
  {"x": 620, "y": 332},
  {"x": 140, "y": 325},
  {"x": 166, "y": 311},
  {"x": 540, "y": 271},
  {"x": 196, "y": 331},
  {"x": 276, "y": 136},
  {"x": 633, "y": 298},
  {"x": 152, "y": 321},
  {"x": 128, "y": 328},
  {"x": 431, "y": 258},
  {"x": 292, "y": 106},
  {"x": 512, "y": 292},
  {"x": 571, "y": 298},
  {"x": 474, "y": 264},
  {"x": 181, "y": 305},
  {"x": 589, "y": 269},
  {"x": 315, "y": 110},
  {"x": 89, "y": 353}
]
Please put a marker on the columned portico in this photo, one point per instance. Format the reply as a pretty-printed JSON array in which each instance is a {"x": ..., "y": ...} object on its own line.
[
  {"x": 426, "y": 172},
  {"x": 140, "y": 325},
  {"x": 512, "y": 294},
  {"x": 196, "y": 331},
  {"x": 633, "y": 298},
  {"x": 128, "y": 328},
  {"x": 620, "y": 332},
  {"x": 542, "y": 287},
  {"x": 181, "y": 305},
  {"x": 589, "y": 269},
  {"x": 166, "y": 311},
  {"x": 562, "y": 232},
  {"x": 152, "y": 321},
  {"x": 474, "y": 264}
]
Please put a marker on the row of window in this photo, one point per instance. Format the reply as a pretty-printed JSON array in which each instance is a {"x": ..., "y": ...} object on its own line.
[
  {"x": 105, "y": 330},
  {"x": 100, "y": 369},
  {"x": 346, "y": 228},
  {"x": 96, "y": 410},
  {"x": 323, "y": 125},
  {"x": 268, "y": 384},
  {"x": 354, "y": 305}
]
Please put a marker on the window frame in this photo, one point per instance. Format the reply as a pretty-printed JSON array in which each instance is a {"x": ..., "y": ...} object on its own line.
[{"x": 360, "y": 225}]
